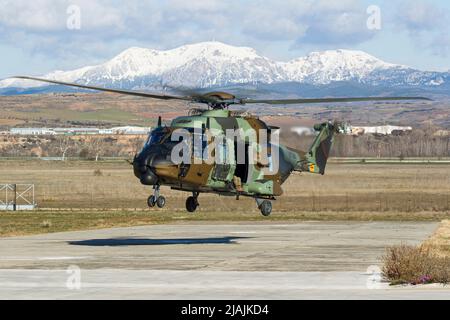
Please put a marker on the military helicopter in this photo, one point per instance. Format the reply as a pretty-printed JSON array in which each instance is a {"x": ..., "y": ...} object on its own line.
[{"x": 154, "y": 165}]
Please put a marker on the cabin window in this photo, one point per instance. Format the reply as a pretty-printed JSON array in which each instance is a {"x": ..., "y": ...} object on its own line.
[
  {"x": 200, "y": 146},
  {"x": 222, "y": 153},
  {"x": 270, "y": 160}
]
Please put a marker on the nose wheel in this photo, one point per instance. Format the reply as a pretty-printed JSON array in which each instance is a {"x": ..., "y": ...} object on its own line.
[
  {"x": 265, "y": 206},
  {"x": 156, "y": 199},
  {"x": 192, "y": 203}
]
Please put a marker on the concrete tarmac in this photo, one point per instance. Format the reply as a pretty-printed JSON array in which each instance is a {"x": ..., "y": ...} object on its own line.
[{"x": 310, "y": 260}]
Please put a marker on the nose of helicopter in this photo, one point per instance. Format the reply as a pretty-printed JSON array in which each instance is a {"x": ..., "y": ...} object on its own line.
[{"x": 142, "y": 165}]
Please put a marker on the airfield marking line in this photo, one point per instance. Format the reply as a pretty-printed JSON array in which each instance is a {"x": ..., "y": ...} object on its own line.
[
  {"x": 304, "y": 246},
  {"x": 42, "y": 258},
  {"x": 243, "y": 232}
]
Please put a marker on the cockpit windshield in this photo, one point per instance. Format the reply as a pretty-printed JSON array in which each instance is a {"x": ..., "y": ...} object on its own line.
[{"x": 157, "y": 136}]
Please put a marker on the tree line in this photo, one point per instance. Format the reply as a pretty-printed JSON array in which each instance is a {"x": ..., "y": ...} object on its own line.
[{"x": 417, "y": 143}]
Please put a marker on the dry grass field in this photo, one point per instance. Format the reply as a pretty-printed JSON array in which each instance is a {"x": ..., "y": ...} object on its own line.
[
  {"x": 358, "y": 188},
  {"x": 344, "y": 188},
  {"x": 108, "y": 109},
  {"x": 424, "y": 264},
  {"x": 75, "y": 195},
  {"x": 66, "y": 108},
  {"x": 440, "y": 241}
]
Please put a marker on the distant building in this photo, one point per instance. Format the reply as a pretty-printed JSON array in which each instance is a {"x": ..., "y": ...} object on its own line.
[
  {"x": 303, "y": 131},
  {"x": 127, "y": 130},
  {"x": 76, "y": 131},
  {"x": 32, "y": 131},
  {"x": 381, "y": 130},
  {"x": 105, "y": 131},
  {"x": 131, "y": 130},
  {"x": 357, "y": 131},
  {"x": 442, "y": 133}
]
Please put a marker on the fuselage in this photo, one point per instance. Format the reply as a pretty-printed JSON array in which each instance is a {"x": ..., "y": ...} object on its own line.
[{"x": 251, "y": 160}]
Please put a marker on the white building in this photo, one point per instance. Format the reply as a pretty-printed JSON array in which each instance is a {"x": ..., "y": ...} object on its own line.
[
  {"x": 32, "y": 131},
  {"x": 383, "y": 130},
  {"x": 303, "y": 131},
  {"x": 77, "y": 131},
  {"x": 131, "y": 130},
  {"x": 105, "y": 131},
  {"x": 127, "y": 130}
]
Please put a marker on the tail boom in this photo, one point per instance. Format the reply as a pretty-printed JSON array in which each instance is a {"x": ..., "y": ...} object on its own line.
[{"x": 315, "y": 160}]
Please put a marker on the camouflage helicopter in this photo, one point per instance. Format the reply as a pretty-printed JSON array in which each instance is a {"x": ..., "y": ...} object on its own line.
[{"x": 154, "y": 165}]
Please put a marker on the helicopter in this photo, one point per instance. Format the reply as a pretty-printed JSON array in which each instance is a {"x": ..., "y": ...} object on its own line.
[{"x": 208, "y": 160}]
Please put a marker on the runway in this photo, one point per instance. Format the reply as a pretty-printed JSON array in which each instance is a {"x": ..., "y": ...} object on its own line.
[{"x": 210, "y": 261}]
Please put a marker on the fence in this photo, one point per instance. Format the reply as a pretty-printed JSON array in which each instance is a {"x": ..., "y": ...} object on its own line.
[{"x": 17, "y": 197}]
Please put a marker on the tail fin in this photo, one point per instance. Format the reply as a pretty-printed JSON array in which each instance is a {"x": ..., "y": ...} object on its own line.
[{"x": 315, "y": 160}]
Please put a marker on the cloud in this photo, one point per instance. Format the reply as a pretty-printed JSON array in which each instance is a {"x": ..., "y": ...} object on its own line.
[
  {"x": 427, "y": 25},
  {"x": 175, "y": 22},
  {"x": 441, "y": 44},
  {"x": 310, "y": 22},
  {"x": 419, "y": 15},
  {"x": 41, "y": 16},
  {"x": 109, "y": 26},
  {"x": 338, "y": 28}
]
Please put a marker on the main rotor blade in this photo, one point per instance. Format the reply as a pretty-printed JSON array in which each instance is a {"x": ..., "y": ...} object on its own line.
[
  {"x": 184, "y": 91},
  {"x": 331, "y": 100},
  {"x": 196, "y": 94},
  {"x": 126, "y": 92}
]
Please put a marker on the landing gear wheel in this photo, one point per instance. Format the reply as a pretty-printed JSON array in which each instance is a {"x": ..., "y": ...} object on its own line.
[
  {"x": 161, "y": 202},
  {"x": 266, "y": 208},
  {"x": 151, "y": 201},
  {"x": 191, "y": 204}
]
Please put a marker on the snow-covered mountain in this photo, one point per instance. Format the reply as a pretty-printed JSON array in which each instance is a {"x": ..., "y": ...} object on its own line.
[
  {"x": 334, "y": 65},
  {"x": 214, "y": 64}
]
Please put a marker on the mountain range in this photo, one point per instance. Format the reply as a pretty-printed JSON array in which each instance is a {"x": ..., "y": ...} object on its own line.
[{"x": 209, "y": 65}]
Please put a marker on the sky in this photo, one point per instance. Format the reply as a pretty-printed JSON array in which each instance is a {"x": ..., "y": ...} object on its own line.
[{"x": 40, "y": 36}]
